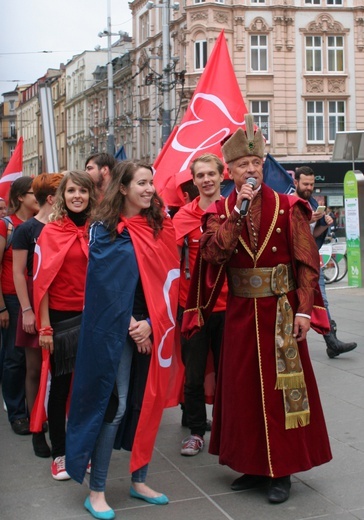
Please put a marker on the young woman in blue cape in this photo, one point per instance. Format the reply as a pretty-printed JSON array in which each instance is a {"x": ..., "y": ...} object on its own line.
[{"x": 124, "y": 359}]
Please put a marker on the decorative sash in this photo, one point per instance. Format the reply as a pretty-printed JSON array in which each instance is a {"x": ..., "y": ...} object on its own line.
[{"x": 264, "y": 282}]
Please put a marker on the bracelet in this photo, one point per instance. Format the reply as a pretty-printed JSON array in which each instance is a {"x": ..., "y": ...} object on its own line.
[
  {"x": 46, "y": 331},
  {"x": 148, "y": 321},
  {"x": 26, "y": 309},
  {"x": 3, "y": 309}
]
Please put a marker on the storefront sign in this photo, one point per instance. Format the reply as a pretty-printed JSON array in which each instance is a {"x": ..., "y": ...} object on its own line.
[{"x": 335, "y": 201}]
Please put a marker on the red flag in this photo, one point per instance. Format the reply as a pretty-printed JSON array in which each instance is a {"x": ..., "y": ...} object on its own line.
[
  {"x": 216, "y": 110},
  {"x": 13, "y": 171},
  {"x": 161, "y": 292}
]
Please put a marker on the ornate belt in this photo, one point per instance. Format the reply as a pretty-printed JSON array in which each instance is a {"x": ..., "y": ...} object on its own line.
[{"x": 260, "y": 282}]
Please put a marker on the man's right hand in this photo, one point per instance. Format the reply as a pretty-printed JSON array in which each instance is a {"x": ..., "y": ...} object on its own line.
[{"x": 316, "y": 215}]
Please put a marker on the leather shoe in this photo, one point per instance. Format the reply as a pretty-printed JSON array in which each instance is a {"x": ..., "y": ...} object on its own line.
[
  {"x": 249, "y": 482},
  {"x": 104, "y": 515},
  {"x": 159, "y": 501},
  {"x": 21, "y": 426},
  {"x": 279, "y": 489}
]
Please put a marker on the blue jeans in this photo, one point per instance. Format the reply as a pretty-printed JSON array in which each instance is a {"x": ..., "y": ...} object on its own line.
[
  {"x": 323, "y": 292},
  {"x": 14, "y": 366},
  {"x": 100, "y": 459}
]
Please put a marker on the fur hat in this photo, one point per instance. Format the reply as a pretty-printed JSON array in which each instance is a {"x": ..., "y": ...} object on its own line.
[{"x": 244, "y": 142}]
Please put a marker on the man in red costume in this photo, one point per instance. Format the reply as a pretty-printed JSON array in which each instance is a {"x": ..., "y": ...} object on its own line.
[
  {"x": 268, "y": 421},
  {"x": 208, "y": 174}
]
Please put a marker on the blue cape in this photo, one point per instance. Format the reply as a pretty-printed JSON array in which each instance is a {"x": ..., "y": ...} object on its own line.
[{"x": 108, "y": 306}]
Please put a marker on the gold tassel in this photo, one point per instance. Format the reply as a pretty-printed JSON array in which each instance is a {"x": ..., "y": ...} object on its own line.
[
  {"x": 290, "y": 381},
  {"x": 294, "y": 420}
]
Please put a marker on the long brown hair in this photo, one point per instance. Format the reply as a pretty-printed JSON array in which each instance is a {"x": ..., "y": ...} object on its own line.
[
  {"x": 112, "y": 205},
  {"x": 80, "y": 178}
]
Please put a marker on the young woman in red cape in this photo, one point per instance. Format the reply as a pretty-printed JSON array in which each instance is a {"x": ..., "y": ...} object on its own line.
[
  {"x": 60, "y": 263},
  {"x": 125, "y": 354}
]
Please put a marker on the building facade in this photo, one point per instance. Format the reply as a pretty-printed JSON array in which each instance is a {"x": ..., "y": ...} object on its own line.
[
  {"x": 8, "y": 132},
  {"x": 299, "y": 64}
]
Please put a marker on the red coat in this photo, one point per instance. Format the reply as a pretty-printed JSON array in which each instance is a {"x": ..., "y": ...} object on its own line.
[{"x": 249, "y": 432}]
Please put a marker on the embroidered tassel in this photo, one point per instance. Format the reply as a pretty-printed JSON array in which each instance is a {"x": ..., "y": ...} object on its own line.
[
  {"x": 295, "y": 420},
  {"x": 290, "y": 381},
  {"x": 201, "y": 321}
]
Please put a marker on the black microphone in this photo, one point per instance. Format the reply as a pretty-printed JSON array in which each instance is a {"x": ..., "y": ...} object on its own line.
[{"x": 245, "y": 205}]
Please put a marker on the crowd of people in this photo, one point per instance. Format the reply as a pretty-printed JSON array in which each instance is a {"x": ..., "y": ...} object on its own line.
[{"x": 222, "y": 319}]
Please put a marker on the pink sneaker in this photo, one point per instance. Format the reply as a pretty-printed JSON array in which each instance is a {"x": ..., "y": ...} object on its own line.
[
  {"x": 58, "y": 469},
  {"x": 192, "y": 445}
]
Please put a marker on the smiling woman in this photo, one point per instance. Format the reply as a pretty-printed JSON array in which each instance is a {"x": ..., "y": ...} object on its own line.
[
  {"x": 124, "y": 357},
  {"x": 60, "y": 263}
]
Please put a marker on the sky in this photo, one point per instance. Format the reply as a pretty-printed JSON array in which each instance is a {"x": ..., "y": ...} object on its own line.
[{"x": 63, "y": 28}]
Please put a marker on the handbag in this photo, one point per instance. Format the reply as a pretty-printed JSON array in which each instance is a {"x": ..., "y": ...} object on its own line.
[{"x": 65, "y": 342}]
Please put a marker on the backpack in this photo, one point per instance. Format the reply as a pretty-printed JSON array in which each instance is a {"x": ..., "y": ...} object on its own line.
[{"x": 10, "y": 231}]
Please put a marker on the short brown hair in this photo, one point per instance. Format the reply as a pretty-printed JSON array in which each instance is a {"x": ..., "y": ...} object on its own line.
[
  {"x": 302, "y": 170},
  {"x": 45, "y": 184}
]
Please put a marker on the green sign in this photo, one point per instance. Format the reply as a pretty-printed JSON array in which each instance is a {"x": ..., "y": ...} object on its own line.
[{"x": 352, "y": 229}]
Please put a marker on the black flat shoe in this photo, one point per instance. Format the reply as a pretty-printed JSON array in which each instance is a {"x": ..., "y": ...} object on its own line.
[
  {"x": 279, "y": 489},
  {"x": 249, "y": 482}
]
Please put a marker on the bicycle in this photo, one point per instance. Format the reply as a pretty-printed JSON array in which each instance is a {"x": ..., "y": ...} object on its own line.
[
  {"x": 340, "y": 256},
  {"x": 329, "y": 264},
  {"x": 333, "y": 258}
]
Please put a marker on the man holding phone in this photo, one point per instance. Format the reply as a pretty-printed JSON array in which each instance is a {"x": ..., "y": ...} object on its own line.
[{"x": 320, "y": 222}]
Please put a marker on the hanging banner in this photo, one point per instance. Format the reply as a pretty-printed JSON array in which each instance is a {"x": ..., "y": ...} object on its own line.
[{"x": 352, "y": 225}]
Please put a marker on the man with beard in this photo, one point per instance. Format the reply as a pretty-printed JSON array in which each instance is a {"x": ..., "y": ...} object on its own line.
[
  {"x": 99, "y": 166},
  {"x": 319, "y": 223}
]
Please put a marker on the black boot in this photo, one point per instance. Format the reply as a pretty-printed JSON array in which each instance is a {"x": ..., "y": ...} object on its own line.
[
  {"x": 335, "y": 347},
  {"x": 40, "y": 446}
]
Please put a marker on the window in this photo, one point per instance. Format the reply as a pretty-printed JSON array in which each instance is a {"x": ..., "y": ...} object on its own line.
[
  {"x": 259, "y": 52},
  {"x": 313, "y": 53},
  {"x": 313, "y": 2},
  {"x": 335, "y": 53},
  {"x": 260, "y": 111},
  {"x": 11, "y": 104},
  {"x": 320, "y": 111},
  {"x": 257, "y": 1},
  {"x": 324, "y": 54},
  {"x": 199, "y": 1},
  {"x": 334, "y": 2},
  {"x": 200, "y": 54},
  {"x": 315, "y": 121},
  {"x": 144, "y": 27},
  {"x": 336, "y": 118},
  {"x": 12, "y": 129}
]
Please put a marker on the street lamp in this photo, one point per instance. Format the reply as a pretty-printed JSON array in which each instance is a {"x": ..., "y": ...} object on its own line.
[{"x": 166, "y": 115}]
